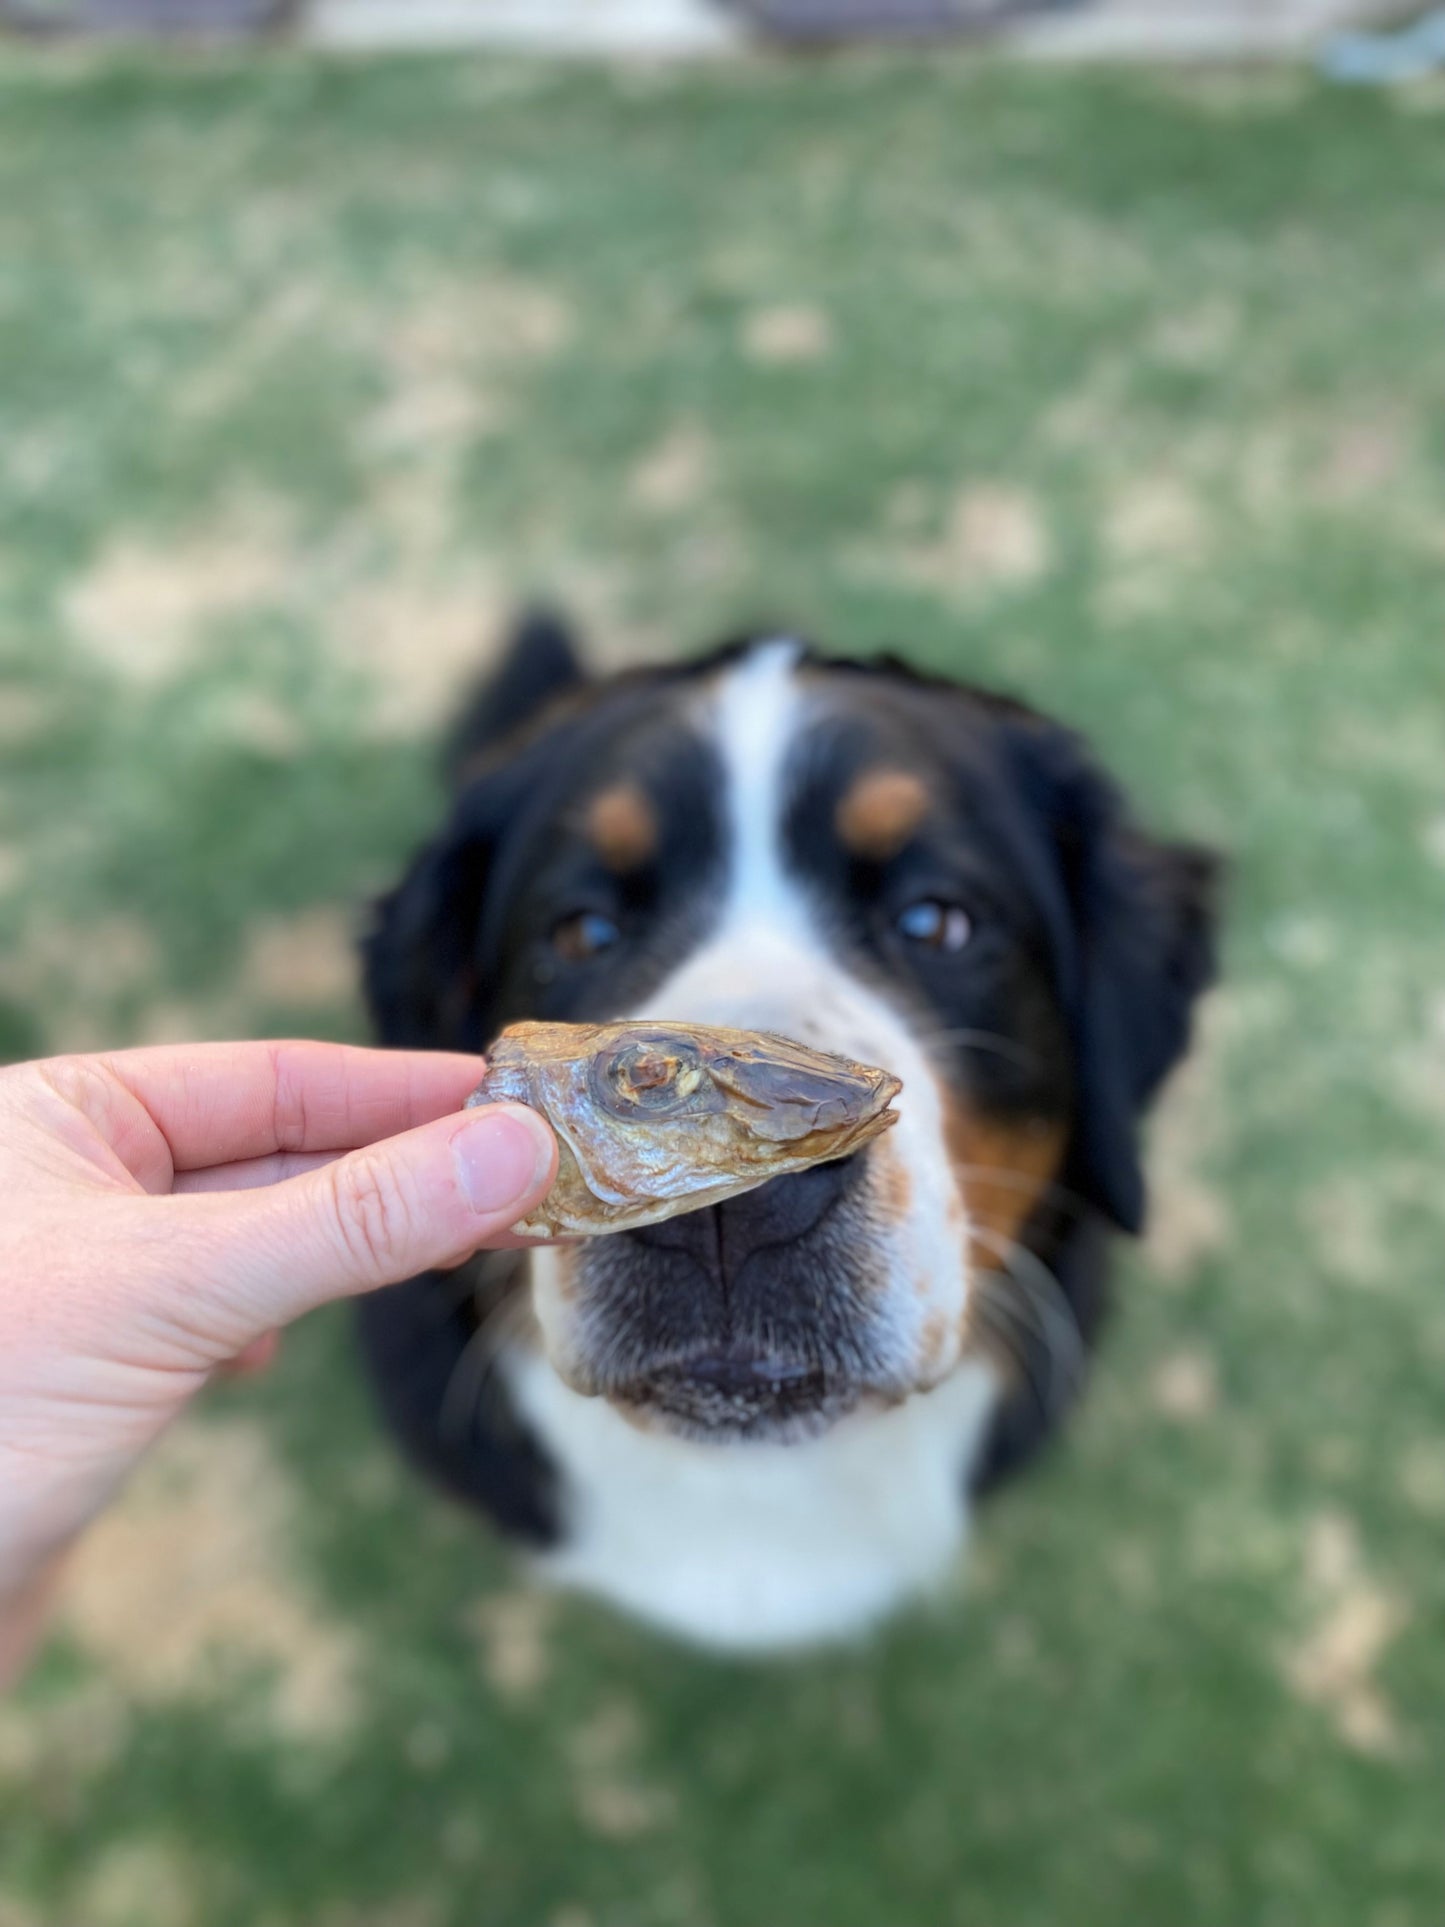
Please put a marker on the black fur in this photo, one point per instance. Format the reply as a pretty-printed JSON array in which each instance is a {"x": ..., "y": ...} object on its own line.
[
  {"x": 539, "y": 665},
  {"x": 426, "y": 1344},
  {"x": 1131, "y": 922}
]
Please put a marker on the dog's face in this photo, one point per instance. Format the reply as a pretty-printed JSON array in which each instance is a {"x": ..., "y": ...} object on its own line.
[{"x": 916, "y": 875}]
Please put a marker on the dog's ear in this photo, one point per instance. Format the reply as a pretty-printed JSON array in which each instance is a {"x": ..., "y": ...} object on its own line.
[
  {"x": 420, "y": 963},
  {"x": 539, "y": 663},
  {"x": 422, "y": 967},
  {"x": 1134, "y": 935}
]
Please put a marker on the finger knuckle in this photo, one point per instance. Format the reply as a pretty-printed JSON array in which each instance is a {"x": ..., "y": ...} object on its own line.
[
  {"x": 289, "y": 1120},
  {"x": 78, "y": 1081},
  {"x": 373, "y": 1212},
  {"x": 83, "y": 1086}
]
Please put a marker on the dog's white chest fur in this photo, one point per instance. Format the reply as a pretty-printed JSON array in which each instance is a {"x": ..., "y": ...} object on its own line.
[{"x": 757, "y": 1547}]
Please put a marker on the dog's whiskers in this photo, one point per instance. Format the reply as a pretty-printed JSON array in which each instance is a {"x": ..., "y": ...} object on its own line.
[
  {"x": 478, "y": 1279},
  {"x": 986, "y": 1040},
  {"x": 476, "y": 1361},
  {"x": 1013, "y": 1179},
  {"x": 1029, "y": 1298}
]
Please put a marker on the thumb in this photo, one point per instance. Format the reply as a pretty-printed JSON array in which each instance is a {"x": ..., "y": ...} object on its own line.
[{"x": 428, "y": 1198}]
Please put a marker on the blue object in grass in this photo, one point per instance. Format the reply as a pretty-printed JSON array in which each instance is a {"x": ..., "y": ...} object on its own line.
[{"x": 1380, "y": 59}]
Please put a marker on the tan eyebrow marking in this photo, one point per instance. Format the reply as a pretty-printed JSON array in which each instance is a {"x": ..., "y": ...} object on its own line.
[
  {"x": 622, "y": 826},
  {"x": 879, "y": 812}
]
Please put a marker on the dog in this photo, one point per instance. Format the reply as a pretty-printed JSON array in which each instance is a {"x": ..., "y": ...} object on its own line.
[{"x": 764, "y": 1424}]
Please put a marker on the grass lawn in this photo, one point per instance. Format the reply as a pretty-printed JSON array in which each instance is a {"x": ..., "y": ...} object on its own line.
[{"x": 1129, "y": 395}]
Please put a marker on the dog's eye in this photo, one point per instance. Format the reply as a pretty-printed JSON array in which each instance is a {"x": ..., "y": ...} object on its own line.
[
  {"x": 584, "y": 935},
  {"x": 934, "y": 925}
]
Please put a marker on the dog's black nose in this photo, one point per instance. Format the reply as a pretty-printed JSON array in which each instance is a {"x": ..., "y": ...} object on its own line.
[
  {"x": 723, "y": 1239},
  {"x": 744, "y": 1318}
]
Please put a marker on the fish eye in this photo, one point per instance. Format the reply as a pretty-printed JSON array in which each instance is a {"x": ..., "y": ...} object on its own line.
[
  {"x": 583, "y": 935},
  {"x": 933, "y": 924},
  {"x": 647, "y": 1070},
  {"x": 654, "y": 1078}
]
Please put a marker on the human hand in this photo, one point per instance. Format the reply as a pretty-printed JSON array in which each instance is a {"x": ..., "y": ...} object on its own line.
[{"x": 164, "y": 1210}]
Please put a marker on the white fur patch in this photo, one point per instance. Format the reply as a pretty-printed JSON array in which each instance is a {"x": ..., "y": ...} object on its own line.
[
  {"x": 750, "y": 1548},
  {"x": 755, "y": 720}
]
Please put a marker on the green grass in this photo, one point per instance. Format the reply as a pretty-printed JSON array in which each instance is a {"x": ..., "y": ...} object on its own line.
[{"x": 304, "y": 372}]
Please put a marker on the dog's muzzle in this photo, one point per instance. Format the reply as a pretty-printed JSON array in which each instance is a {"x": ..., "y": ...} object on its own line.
[{"x": 750, "y": 1319}]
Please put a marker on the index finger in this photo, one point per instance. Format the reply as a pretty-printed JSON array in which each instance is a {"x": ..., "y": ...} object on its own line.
[{"x": 218, "y": 1103}]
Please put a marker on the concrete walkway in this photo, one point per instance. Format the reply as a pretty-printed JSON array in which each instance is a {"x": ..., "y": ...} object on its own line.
[
  {"x": 1199, "y": 30},
  {"x": 654, "y": 27}
]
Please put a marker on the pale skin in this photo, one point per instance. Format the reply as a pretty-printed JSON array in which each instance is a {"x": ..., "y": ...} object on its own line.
[{"x": 164, "y": 1212}]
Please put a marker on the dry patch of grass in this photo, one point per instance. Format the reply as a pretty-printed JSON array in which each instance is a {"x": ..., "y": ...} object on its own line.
[
  {"x": 1362, "y": 457},
  {"x": 491, "y": 317},
  {"x": 1199, "y": 337},
  {"x": 612, "y": 1797},
  {"x": 417, "y": 634},
  {"x": 143, "y": 607},
  {"x": 1355, "y": 1619},
  {"x": 428, "y": 414},
  {"x": 674, "y": 473},
  {"x": 1154, "y": 518},
  {"x": 787, "y": 336},
  {"x": 1348, "y": 1220},
  {"x": 1155, "y": 533},
  {"x": 1185, "y": 1386},
  {"x": 995, "y": 537},
  {"x": 24, "y": 713},
  {"x": 193, "y": 1576},
  {"x": 141, "y": 1882},
  {"x": 1422, "y": 1478},
  {"x": 1189, "y": 1216},
  {"x": 448, "y": 357},
  {"x": 80, "y": 975},
  {"x": 75, "y": 973},
  {"x": 295, "y": 312},
  {"x": 514, "y": 1632},
  {"x": 307, "y": 960},
  {"x": 68, "y": 1736}
]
